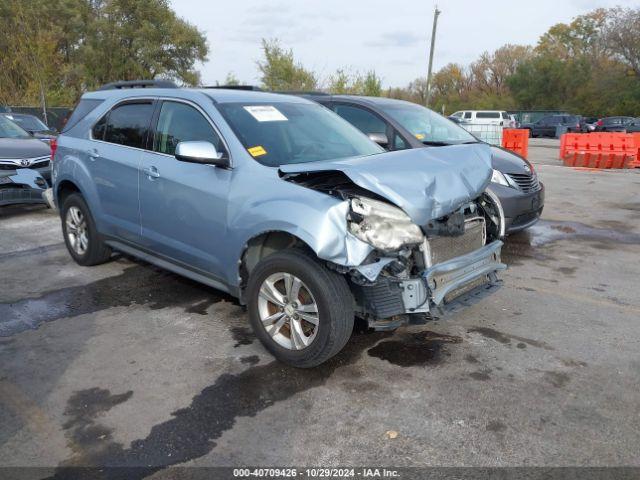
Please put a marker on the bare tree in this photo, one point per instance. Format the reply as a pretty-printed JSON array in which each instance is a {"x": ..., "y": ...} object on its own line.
[{"x": 622, "y": 36}]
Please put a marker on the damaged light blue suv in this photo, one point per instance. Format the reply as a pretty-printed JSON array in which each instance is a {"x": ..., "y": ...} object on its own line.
[{"x": 279, "y": 202}]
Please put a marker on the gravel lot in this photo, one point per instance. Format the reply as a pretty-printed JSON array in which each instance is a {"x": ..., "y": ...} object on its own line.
[{"x": 127, "y": 364}]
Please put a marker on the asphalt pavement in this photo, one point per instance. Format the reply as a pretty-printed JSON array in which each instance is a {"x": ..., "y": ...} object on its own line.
[{"x": 127, "y": 364}]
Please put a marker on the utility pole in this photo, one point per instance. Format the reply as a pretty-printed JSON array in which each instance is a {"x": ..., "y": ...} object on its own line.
[{"x": 433, "y": 44}]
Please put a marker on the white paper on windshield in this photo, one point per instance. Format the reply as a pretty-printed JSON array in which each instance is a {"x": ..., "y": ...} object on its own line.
[{"x": 266, "y": 113}]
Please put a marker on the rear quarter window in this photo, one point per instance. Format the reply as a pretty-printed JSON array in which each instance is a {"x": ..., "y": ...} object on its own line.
[
  {"x": 488, "y": 115},
  {"x": 83, "y": 108}
]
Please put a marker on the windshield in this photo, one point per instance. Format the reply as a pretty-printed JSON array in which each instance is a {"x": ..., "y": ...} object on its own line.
[
  {"x": 28, "y": 123},
  {"x": 8, "y": 129},
  {"x": 426, "y": 125},
  {"x": 282, "y": 133}
]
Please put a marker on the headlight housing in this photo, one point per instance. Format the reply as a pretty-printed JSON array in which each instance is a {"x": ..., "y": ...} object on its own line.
[
  {"x": 499, "y": 178},
  {"x": 381, "y": 225}
]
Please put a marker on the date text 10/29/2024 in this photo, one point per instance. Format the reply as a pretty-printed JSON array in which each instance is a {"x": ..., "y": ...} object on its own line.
[{"x": 315, "y": 473}]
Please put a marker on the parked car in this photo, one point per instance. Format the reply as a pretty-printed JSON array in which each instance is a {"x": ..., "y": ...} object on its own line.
[
  {"x": 18, "y": 150},
  {"x": 515, "y": 192},
  {"x": 21, "y": 186},
  {"x": 486, "y": 117},
  {"x": 32, "y": 124},
  {"x": 279, "y": 202},
  {"x": 633, "y": 127},
  {"x": 613, "y": 124},
  {"x": 589, "y": 124},
  {"x": 548, "y": 125}
]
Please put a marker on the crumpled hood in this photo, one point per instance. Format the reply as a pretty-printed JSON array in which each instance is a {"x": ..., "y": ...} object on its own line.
[{"x": 426, "y": 183}]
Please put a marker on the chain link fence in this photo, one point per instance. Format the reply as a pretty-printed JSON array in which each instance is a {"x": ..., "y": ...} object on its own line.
[{"x": 487, "y": 133}]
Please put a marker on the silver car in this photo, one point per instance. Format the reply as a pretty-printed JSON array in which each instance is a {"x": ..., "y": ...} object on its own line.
[{"x": 279, "y": 202}]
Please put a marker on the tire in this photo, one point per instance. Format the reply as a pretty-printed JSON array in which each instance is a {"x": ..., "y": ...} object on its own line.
[
  {"x": 74, "y": 212},
  {"x": 318, "y": 285}
]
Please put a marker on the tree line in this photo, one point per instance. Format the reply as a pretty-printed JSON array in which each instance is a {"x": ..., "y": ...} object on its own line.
[
  {"x": 589, "y": 66},
  {"x": 54, "y": 50}
]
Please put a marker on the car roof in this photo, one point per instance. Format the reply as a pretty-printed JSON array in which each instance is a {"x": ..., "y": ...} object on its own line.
[
  {"x": 218, "y": 95},
  {"x": 358, "y": 99}
]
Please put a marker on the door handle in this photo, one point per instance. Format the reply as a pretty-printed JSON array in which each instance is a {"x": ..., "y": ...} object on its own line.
[
  {"x": 93, "y": 154},
  {"x": 151, "y": 172}
]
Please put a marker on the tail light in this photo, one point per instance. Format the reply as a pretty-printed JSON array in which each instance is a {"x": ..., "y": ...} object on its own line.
[{"x": 54, "y": 146}]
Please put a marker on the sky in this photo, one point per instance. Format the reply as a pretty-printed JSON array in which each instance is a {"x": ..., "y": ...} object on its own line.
[{"x": 391, "y": 37}]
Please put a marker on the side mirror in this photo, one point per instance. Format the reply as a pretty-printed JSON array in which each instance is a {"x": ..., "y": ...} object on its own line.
[
  {"x": 201, "y": 152},
  {"x": 380, "y": 138}
]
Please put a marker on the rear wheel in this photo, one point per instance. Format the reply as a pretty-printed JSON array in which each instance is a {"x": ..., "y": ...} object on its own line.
[
  {"x": 80, "y": 234},
  {"x": 301, "y": 311}
]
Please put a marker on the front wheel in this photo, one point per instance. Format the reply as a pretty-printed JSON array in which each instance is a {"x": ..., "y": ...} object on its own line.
[{"x": 300, "y": 310}]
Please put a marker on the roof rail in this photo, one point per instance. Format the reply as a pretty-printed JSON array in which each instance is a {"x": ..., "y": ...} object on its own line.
[
  {"x": 138, "y": 84},
  {"x": 235, "y": 87}
]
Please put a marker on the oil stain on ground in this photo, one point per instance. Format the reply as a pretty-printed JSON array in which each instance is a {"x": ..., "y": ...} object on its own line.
[
  {"x": 482, "y": 375},
  {"x": 192, "y": 431},
  {"x": 242, "y": 336},
  {"x": 506, "y": 339},
  {"x": 137, "y": 285},
  {"x": 416, "y": 349},
  {"x": 82, "y": 410}
]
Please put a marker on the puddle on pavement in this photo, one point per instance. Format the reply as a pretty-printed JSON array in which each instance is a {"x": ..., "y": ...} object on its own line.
[
  {"x": 526, "y": 244},
  {"x": 137, "y": 285},
  {"x": 415, "y": 349},
  {"x": 192, "y": 431}
]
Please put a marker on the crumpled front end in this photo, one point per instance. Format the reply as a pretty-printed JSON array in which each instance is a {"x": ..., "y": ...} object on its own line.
[
  {"x": 416, "y": 226},
  {"x": 452, "y": 267}
]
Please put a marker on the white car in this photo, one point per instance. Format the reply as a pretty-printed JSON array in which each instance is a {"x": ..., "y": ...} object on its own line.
[{"x": 486, "y": 117}]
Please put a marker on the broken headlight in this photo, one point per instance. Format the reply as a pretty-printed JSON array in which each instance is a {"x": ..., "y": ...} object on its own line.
[{"x": 381, "y": 225}]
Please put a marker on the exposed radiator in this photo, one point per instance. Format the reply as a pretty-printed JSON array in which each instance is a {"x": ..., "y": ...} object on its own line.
[{"x": 441, "y": 249}]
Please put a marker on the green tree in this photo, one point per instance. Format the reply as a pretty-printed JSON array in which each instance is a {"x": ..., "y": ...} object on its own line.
[
  {"x": 343, "y": 82},
  {"x": 63, "y": 47},
  {"x": 281, "y": 72},
  {"x": 371, "y": 84}
]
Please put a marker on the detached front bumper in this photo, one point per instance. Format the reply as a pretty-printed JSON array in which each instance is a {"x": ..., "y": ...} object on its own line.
[
  {"x": 446, "y": 279},
  {"x": 440, "y": 289}
]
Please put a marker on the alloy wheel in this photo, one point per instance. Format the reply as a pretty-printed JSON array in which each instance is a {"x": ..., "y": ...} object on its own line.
[
  {"x": 288, "y": 311},
  {"x": 77, "y": 233}
]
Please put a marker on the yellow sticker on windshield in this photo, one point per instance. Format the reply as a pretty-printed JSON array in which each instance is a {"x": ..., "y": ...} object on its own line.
[
  {"x": 419, "y": 136},
  {"x": 257, "y": 151}
]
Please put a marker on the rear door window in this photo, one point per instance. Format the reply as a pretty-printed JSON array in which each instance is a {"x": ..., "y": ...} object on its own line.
[
  {"x": 128, "y": 124},
  {"x": 362, "y": 119}
]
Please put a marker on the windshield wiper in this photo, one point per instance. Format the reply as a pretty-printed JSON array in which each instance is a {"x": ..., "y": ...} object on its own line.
[{"x": 433, "y": 143}]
